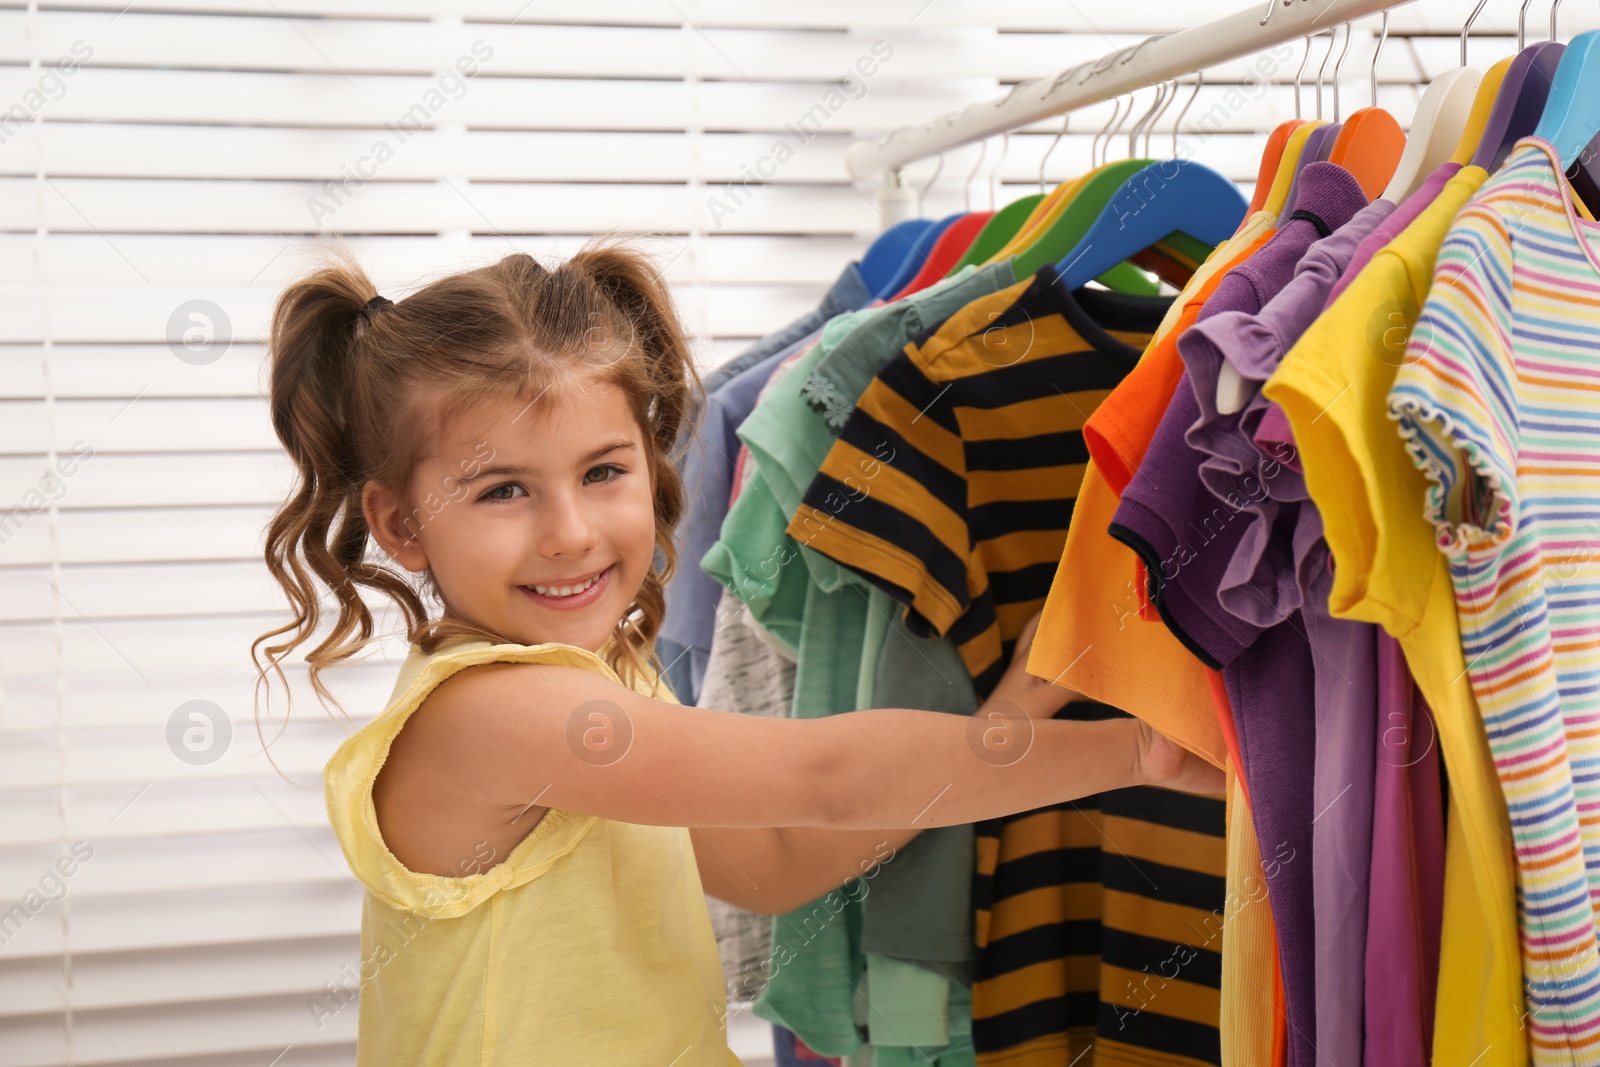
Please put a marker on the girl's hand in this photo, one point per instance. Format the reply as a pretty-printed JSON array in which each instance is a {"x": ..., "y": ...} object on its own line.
[
  {"x": 1162, "y": 761},
  {"x": 1037, "y": 698}
]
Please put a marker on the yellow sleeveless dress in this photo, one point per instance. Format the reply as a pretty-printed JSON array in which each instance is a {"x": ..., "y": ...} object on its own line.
[{"x": 590, "y": 944}]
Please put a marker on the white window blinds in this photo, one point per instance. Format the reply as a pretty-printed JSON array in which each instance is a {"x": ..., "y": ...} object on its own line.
[{"x": 164, "y": 170}]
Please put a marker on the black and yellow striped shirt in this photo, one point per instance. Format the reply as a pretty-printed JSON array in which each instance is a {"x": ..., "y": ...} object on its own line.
[{"x": 952, "y": 488}]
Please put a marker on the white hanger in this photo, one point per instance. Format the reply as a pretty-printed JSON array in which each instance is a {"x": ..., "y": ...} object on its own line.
[{"x": 1441, "y": 116}]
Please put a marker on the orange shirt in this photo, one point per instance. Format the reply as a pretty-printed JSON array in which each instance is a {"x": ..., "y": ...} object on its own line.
[{"x": 1119, "y": 430}]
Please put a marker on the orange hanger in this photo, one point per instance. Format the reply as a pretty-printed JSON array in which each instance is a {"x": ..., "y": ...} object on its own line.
[
  {"x": 1369, "y": 147},
  {"x": 1370, "y": 143}
]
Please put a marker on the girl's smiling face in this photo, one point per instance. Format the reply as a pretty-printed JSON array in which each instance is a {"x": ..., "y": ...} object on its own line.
[{"x": 517, "y": 507}]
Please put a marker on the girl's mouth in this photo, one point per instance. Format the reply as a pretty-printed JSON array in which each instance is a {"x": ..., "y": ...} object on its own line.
[{"x": 582, "y": 598}]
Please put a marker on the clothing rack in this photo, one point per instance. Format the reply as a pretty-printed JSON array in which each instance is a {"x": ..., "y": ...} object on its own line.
[{"x": 1156, "y": 59}]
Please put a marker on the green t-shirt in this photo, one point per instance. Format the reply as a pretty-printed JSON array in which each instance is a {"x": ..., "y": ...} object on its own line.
[{"x": 853, "y": 652}]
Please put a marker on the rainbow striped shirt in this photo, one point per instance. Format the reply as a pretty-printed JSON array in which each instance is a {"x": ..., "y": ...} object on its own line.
[{"x": 1499, "y": 403}]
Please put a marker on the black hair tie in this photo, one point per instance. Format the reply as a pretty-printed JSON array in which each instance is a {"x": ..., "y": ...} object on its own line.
[{"x": 378, "y": 302}]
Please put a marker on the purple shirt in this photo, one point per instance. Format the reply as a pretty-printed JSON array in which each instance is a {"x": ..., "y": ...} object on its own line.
[
  {"x": 1406, "y": 905},
  {"x": 1187, "y": 537},
  {"x": 1346, "y": 670},
  {"x": 1254, "y": 345}
]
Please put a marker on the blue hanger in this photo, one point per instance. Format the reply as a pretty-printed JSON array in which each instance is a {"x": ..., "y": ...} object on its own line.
[
  {"x": 1572, "y": 114},
  {"x": 1173, "y": 196},
  {"x": 1524, "y": 94},
  {"x": 883, "y": 259},
  {"x": 916, "y": 257}
]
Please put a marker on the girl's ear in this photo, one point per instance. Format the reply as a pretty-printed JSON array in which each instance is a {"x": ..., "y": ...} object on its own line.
[{"x": 389, "y": 524}]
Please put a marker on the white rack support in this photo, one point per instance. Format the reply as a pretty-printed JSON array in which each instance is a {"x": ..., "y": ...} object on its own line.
[{"x": 1150, "y": 62}]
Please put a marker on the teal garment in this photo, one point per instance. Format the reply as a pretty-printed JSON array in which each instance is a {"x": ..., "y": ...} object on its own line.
[
  {"x": 837, "y": 381},
  {"x": 920, "y": 907},
  {"x": 818, "y": 941},
  {"x": 890, "y": 1049},
  {"x": 826, "y": 614}
]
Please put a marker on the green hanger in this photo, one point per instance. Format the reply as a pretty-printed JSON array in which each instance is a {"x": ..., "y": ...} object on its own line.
[
  {"x": 1127, "y": 278},
  {"x": 997, "y": 231},
  {"x": 1074, "y": 221}
]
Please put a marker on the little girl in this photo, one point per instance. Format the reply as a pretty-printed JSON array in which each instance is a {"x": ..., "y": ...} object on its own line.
[{"x": 537, "y": 833}]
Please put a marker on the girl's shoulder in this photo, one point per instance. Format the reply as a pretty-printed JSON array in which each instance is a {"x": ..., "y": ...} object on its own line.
[{"x": 351, "y": 771}]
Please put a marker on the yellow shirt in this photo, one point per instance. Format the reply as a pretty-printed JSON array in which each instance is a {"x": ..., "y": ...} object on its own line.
[
  {"x": 1333, "y": 386},
  {"x": 590, "y": 944}
]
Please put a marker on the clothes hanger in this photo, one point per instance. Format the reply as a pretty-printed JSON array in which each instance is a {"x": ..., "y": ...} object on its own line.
[
  {"x": 951, "y": 244},
  {"x": 891, "y": 247},
  {"x": 1060, "y": 231},
  {"x": 1520, "y": 102},
  {"x": 1293, "y": 147},
  {"x": 1483, "y": 102},
  {"x": 1208, "y": 207},
  {"x": 1060, "y": 227},
  {"x": 1371, "y": 143},
  {"x": 1436, "y": 128},
  {"x": 1270, "y": 159},
  {"x": 1276, "y": 140},
  {"x": 923, "y": 248},
  {"x": 1048, "y": 209},
  {"x": 1584, "y": 174},
  {"x": 1571, "y": 117},
  {"x": 918, "y": 255},
  {"x": 1054, "y": 196},
  {"x": 1018, "y": 215},
  {"x": 956, "y": 240},
  {"x": 1318, "y": 137}
]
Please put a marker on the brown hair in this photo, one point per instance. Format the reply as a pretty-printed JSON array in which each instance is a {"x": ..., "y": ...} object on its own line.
[{"x": 350, "y": 382}]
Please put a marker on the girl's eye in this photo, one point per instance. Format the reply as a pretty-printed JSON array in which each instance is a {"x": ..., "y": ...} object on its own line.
[
  {"x": 606, "y": 467},
  {"x": 491, "y": 494}
]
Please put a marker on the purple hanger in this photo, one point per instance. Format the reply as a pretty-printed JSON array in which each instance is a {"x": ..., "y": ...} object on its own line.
[
  {"x": 1322, "y": 135},
  {"x": 1519, "y": 103}
]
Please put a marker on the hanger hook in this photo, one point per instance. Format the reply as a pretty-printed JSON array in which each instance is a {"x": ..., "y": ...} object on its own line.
[
  {"x": 994, "y": 175},
  {"x": 1270, "y": 5},
  {"x": 1522, "y": 25},
  {"x": 1132, "y": 102},
  {"x": 922, "y": 195},
  {"x": 1467, "y": 27},
  {"x": 1199, "y": 80},
  {"x": 1060, "y": 79},
  {"x": 1145, "y": 119},
  {"x": 1324, "y": 66},
  {"x": 1111, "y": 131},
  {"x": 1149, "y": 131},
  {"x": 1383, "y": 35},
  {"x": 1094, "y": 145},
  {"x": 1349, "y": 32},
  {"x": 1135, "y": 50},
  {"x": 966, "y": 191},
  {"x": 1065, "y": 118},
  {"x": 1555, "y": 5},
  {"x": 1299, "y": 73}
]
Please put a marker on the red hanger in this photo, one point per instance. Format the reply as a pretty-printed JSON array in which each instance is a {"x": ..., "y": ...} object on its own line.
[{"x": 946, "y": 251}]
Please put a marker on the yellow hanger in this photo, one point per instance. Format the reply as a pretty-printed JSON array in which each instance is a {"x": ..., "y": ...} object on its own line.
[
  {"x": 1292, "y": 148},
  {"x": 1478, "y": 117},
  {"x": 1043, "y": 214},
  {"x": 1048, "y": 210}
]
